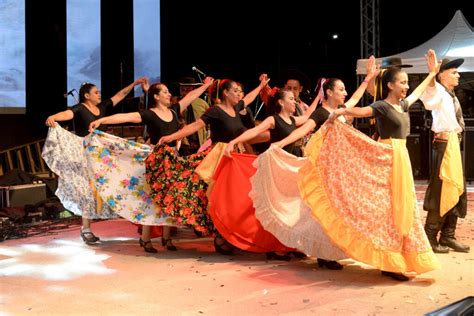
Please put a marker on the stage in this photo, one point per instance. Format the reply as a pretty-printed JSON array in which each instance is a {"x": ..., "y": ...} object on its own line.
[{"x": 55, "y": 273}]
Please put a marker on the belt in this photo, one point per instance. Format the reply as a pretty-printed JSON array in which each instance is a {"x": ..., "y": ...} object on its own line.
[
  {"x": 444, "y": 136},
  {"x": 441, "y": 136}
]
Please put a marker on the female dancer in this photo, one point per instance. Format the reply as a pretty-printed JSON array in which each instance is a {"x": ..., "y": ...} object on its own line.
[{"x": 161, "y": 119}]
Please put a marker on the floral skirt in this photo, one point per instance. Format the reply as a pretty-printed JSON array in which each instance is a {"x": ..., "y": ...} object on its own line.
[
  {"x": 117, "y": 169},
  {"x": 350, "y": 184},
  {"x": 64, "y": 154},
  {"x": 177, "y": 188}
]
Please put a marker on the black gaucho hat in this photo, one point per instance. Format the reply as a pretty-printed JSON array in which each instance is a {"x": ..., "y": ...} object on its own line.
[
  {"x": 450, "y": 63},
  {"x": 393, "y": 62},
  {"x": 188, "y": 81},
  {"x": 296, "y": 74}
]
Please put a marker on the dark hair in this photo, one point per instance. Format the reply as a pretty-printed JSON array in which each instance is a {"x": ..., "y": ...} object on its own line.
[
  {"x": 330, "y": 83},
  {"x": 85, "y": 88},
  {"x": 386, "y": 76},
  {"x": 274, "y": 107},
  {"x": 154, "y": 89},
  {"x": 216, "y": 89}
]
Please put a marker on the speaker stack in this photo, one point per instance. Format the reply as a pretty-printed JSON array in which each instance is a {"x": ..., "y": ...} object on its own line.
[
  {"x": 418, "y": 142},
  {"x": 468, "y": 149}
]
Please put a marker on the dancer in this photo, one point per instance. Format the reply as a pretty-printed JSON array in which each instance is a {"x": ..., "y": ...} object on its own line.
[
  {"x": 63, "y": 148},
  {"x": 334, "y": 93},
  {"x": 445, "y": 198},
  {"x": 225, "y": 124},
  {"x": 280, "y": 125},
  {"x": 161, "y": 120},
  {"x": 387, "y": 235}
]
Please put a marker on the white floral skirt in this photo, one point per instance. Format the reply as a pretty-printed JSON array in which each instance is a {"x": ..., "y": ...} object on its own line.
[
  {"x": 117, "y": 169},
  {"x": 64, "y": 154}
]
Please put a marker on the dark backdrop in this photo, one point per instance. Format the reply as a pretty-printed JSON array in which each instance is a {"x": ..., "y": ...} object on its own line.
[{"x": 237, "y": 40}]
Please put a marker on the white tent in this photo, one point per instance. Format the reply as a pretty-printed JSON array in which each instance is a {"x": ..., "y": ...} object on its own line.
[{"x": 456, "y": 40}]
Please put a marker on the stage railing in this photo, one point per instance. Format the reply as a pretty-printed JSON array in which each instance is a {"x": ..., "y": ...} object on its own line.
[{"x": 26, "y": 157}]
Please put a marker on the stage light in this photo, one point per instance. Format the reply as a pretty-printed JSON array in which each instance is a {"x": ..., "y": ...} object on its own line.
[
  {"x": 54, "y": 261},
  {"x": 335, "y": 36}
]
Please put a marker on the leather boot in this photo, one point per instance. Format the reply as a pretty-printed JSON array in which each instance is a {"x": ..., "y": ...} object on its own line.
[
  {"x": 448, "y": 235},
  {"x": 431, "y": 233},
  {"x": 432, "y": 227}
]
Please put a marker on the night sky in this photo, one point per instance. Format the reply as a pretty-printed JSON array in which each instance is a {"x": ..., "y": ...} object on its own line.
[{"x": 247, "y": 38}]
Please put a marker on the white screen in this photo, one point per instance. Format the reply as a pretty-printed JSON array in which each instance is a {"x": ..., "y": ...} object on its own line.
[
  {"x": 146, "y": 35},
  {"x": 83, "y": 45},
  {"x": 12, "y": 56}
]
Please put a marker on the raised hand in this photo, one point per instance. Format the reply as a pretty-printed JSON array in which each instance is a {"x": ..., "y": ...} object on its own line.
[
  {"x": 208, "y": 81},
  {"x": 372, "y": 69},
  {"x": 433, "y": 63},
  {"x": 145, "y": 85},
  {"x": 263, "y": 80}
]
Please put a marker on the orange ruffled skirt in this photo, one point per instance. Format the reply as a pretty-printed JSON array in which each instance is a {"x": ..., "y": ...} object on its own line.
[{"x": 349, "y": 184}]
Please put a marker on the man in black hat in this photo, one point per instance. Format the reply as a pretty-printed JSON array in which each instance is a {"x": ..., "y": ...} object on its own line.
[
  {"x": 445, "y": 198},
  {"x": 192, "y": 142}
]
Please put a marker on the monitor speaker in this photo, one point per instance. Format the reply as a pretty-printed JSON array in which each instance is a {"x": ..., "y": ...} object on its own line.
[{"x": 468, "y": 155}]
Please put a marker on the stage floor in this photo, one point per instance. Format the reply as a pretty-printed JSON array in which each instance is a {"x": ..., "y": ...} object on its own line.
[{"x": 55, "y": 273}]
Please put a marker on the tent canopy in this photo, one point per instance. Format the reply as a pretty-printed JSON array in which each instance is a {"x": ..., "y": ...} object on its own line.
[{"x": 456, "y": 40}]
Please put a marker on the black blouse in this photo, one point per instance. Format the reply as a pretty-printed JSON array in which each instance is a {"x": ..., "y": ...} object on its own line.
[
  {"x": 390, "y": 122},
  {"x": 282, "y": 130},
  {"x": 157, "y": 127},
  {"x": 319, "y": 116},
  {"x": 224, "y": 127},
  {"x": 83, "y": 117}
]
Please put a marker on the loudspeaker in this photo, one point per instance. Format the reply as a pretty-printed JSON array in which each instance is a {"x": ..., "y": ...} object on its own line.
[
  {"x": 414, "y": 150},
  {"x": 468, "y": 146},
  {"x": 21, "y": 195}
]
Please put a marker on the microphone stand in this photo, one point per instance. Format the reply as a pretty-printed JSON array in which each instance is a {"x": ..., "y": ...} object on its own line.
[
  {"x": 206, "y": 96},
  {"x": 145, "y": 100},
  {"x": 121, "y": 85},
  {"x": 258, "y": 108}
]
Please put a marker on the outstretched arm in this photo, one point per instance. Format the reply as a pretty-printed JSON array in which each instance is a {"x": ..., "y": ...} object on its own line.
[
  {"x": 249, "y": 134},
  {"x": 60, "y": 116},
  {"x": 298, "y": 133},
  {"x": 300, "y": 120},
  {"x": 185, "y": 131},
  {"x": 371, "y": 73},
  {"x": 250, "y": 97},
  {"x": 132, "y": 117},
  {"x": 119, "y": 96},
  {"x": 365, "y": 111},
  {"x": 433, "y": 67},
  {"x": 193, "y": 95}
]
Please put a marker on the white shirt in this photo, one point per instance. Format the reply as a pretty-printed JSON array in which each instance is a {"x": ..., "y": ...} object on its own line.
[{"x": 443, "y": 109}]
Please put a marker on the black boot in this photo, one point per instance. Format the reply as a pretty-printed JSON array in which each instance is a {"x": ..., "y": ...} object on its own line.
[
  {"x": 432, "y": 227},
  {"x": 448, "y": 233}
]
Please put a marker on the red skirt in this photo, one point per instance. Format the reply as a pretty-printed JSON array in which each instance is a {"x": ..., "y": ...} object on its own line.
[{"x": 231, "y": 208}]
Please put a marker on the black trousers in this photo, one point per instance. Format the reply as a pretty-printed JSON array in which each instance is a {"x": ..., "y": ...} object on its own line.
[{"x": 434, "y": 222}]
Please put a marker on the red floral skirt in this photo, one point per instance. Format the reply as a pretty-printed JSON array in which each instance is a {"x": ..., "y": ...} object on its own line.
[{"x": 178, "y": 189}]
